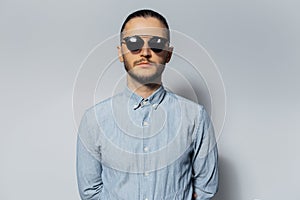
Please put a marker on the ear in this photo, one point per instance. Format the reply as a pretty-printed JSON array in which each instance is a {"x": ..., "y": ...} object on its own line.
[
  {"x": 169, "y": 54},
  {"x": 120, "y": 54}
]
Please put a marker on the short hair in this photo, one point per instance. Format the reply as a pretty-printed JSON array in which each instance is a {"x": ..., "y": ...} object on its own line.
[{"x": 146, "y": 13}]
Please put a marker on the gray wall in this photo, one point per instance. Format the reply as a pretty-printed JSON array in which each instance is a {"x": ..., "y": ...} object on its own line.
[{"x": 255, "y": 45}]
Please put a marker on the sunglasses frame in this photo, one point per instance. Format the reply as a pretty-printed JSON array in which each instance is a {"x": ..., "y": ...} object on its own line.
[{"x": 139, "y": 37}]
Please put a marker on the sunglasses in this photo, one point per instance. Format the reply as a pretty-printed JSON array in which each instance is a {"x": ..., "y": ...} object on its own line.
[{"x": 135, "y": 43}]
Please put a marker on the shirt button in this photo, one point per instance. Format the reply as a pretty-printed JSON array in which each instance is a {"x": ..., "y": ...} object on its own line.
[
  {"x": 154, "y": 105},
  {"x": 145, "y": 123},
  {"x": 146, "y": 198},
  {"x": 146, "y": 174},
  {"x": 146, "y": 149}
]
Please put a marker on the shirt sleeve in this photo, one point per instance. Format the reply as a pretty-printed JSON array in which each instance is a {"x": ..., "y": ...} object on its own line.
[
  {"x": 205, "y": 159},
  {"x": 88, "y": 166}
]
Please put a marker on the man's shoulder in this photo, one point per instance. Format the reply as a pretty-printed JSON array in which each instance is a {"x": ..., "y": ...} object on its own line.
[
  {"x": 191, "y": 111},
  {"x": 184, "y": 101},
  {"x": 105, "y": 106}
]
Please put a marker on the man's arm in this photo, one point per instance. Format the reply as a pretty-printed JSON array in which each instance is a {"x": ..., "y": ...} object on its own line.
[
  {"x": 205, "y": 160},
  {"x": 88, "y": 168}
]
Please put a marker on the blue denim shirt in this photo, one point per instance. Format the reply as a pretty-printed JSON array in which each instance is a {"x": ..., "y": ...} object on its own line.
[{"x": 159, "y": 148}]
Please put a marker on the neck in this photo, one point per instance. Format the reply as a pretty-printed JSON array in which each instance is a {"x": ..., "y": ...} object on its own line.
[{"x": 143, "y": 90}]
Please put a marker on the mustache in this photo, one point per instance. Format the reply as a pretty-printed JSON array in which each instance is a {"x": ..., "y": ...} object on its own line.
[{"x": 142, "y": 60}]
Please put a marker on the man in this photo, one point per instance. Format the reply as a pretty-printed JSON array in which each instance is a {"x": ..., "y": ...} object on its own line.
[{"x": 145, "y": 142}]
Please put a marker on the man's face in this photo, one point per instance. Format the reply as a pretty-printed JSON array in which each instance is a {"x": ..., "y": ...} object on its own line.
[{"x": 144, "y": 65}]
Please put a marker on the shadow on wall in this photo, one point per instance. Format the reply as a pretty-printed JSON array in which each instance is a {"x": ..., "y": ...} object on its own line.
[{"x": 228, "y": 182}]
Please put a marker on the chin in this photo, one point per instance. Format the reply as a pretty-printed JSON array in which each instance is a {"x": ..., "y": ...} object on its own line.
[{"x": 145, "y": 79}]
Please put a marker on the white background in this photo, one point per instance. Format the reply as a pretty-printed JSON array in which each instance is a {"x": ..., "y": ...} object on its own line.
[{"x": 254, "y": 43}]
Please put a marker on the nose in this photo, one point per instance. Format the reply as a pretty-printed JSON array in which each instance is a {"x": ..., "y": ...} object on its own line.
[{"x": 146, "y": 51}]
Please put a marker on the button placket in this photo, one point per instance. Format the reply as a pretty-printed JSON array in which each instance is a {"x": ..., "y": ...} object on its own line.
[{"x": 145, "y": 148}]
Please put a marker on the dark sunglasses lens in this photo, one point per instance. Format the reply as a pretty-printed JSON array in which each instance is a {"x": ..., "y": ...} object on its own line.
[
  {"x": 134, "y": 43},
  {"x": 157, "y": 44}
]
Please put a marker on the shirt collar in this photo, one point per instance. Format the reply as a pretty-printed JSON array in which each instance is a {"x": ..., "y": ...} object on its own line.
[{"x": 136, "y": 101}]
